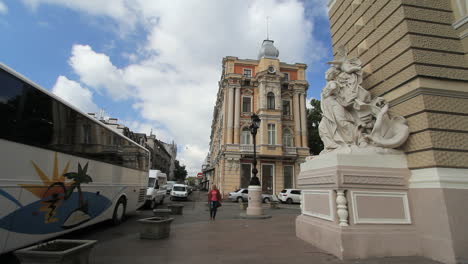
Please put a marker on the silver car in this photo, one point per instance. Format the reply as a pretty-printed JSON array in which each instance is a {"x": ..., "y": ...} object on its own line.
[{"x": 242, "y": 195}]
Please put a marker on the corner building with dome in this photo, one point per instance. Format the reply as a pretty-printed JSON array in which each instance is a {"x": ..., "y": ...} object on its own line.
[{"x": 276, "y": 92}]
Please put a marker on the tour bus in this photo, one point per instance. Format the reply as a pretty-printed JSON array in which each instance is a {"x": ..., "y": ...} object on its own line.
[{"x": 61, "y": 169}]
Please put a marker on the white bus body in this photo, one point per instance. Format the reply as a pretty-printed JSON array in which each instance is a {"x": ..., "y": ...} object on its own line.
[{"x": 55, "y": 180}]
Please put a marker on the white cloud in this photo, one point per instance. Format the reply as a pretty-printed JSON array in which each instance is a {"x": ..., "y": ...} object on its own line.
[
  {"x": 173, "y": 80},
  {"x": 3, "y": 8},
  {"x": 74, "y": 93},
  {"x": 119, "y": 10},
  {"x": 96, "y": 70}
]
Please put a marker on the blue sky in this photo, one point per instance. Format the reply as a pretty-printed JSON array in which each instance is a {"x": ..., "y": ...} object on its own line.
[{"x": 155, "y": 64}]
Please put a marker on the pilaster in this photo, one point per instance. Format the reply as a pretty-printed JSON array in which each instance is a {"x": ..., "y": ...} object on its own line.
[
  {"x": 230, "y": 114},
  {"x": 303, "y": 119},
  {"x": 297, "y": 118},
  {"x": 236, "y": 115}
]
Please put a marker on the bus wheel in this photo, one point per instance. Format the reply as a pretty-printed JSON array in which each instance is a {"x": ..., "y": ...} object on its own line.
[{"x": 119, "y": 211}]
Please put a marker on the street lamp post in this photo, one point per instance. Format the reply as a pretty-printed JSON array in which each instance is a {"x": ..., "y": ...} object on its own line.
[
  {"x": 253, "y": 130},
  {"x": 254, "y": 208}
]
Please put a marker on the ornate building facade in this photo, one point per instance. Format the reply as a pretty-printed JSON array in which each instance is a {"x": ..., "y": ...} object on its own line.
[{"x": 276, "y": 92}]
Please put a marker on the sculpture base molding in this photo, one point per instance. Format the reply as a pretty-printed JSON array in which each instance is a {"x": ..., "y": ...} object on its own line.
[
  {"x": 358, "y": 241},
  {"x": 356, "y": 205},
  {"x": 255, "y": 201}
]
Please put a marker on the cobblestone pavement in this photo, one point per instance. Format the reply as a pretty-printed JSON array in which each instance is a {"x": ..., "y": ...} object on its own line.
[{"x": 229, "y": 239}]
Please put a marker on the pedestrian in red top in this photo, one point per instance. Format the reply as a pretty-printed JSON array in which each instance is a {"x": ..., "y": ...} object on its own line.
[{"x": 214, "y": 200}]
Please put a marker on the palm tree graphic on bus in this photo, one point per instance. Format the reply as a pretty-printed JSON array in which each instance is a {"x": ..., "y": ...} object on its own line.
[{"x": 62, "y": 203}]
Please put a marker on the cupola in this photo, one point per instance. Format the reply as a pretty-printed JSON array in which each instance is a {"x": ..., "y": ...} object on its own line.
[{"x": 268, "y": 50}]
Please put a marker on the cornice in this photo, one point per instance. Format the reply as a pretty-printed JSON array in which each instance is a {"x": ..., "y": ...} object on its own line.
[{"x": 429, "y": 91}]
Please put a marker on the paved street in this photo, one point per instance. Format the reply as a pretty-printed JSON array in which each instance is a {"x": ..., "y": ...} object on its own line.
[{"x": 196, "y": 239}]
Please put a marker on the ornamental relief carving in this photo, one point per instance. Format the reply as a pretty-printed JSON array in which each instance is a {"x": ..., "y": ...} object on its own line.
[
  {"x": 286, "y": 95},
  {"x": 317, "y": 180},
  {"x": 355, "y": 179},
  {"x": 246, "y": 91}
]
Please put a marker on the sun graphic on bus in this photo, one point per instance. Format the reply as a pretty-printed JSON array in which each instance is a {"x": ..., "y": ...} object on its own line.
[
  {"x": 62, "y": 202},
  {"x": 54, "y": 187}
]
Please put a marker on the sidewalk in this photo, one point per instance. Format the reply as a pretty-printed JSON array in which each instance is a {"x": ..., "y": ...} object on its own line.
[{"x": 229, "y": 239}]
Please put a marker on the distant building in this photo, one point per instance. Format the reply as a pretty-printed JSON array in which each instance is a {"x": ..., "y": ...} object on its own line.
[
  {"x": 172, "y": 150},
  {"x": 162, "y": 155},
  {"x": 274, "y": 90}
]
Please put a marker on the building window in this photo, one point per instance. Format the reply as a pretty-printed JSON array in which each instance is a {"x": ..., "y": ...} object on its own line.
[
  {"x": 286, "y": 76},
  {"x": 246, "y": 104},
  {"x": 288, "y": 171},
  {"x": 271, "y": 134},
  {"x": 245, "y": 136},
  {"x": 87, "y": 134},
  {"x": 286, "y": 107},
  {"x": 270, "y": 100},
  {"x": 247, "y": 73},
  {"x": 287, "y": 138}
]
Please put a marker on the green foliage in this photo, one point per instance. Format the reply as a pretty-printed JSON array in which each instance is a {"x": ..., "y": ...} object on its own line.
[
  {"x": 180, "y": 173},
  {"x": 191, "y": 181},
  {"x": 314, "y": 115}
]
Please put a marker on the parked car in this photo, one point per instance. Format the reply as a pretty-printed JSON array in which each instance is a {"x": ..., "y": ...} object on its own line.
[
  {"x": 242, "y": 195},
  {"x": 179, "y": 191},
  {"x": 189, "y": 189},
  {"x": 290, "y": 196},
  {"x": 169, "y": 186}
]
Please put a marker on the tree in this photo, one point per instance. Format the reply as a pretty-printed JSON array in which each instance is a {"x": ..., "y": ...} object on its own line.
[
  {"x": 314, "y": 115},
  {"x": 191, "y": 181},
  {"x": 179, "y": 172}
]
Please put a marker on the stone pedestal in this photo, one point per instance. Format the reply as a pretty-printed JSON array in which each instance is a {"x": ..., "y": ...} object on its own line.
[
  {"x": 255, "y": 201},
  {"x": 155, "y": 227},
  {"x": 356, "y": 205}
]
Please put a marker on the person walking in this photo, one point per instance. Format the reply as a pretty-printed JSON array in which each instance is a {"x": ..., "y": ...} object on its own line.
[{"x": 214, "y": 201}]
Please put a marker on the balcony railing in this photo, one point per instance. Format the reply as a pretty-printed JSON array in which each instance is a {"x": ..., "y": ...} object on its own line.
[{"x": 246, "y": 148}]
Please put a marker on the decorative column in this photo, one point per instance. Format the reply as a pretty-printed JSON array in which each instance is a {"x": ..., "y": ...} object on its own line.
[
  {"x": 303, "y": 120},
  {"x": 236, "y": 115},
  {"x": 230, "y": 115},
  {"x": 297, "y": 118},
  {"x": 341, "y": 208}
]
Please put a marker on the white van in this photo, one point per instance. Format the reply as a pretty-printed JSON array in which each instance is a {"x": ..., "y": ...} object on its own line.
[
  {"x": 179, "y": 191},
  {"x": 156, "y": 191}
]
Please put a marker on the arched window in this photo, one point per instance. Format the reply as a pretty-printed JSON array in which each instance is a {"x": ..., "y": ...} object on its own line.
[
  {"x": 287, "y": 138},
  {"x": 270, "y": 100},
  {"x": 245, "y": 136}
]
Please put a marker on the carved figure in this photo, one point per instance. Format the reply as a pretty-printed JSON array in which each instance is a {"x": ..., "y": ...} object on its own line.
[{"x": 351, "y": 118}]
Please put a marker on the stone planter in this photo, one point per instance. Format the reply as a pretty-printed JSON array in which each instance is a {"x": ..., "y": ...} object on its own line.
[
  {"x": 243, "y": 205},
  {"x": 162, "y": 212},
  {"x": 176, "y": 209},
  {"x": 155, "y": 227},
  {"x": 57, "y": 251}
]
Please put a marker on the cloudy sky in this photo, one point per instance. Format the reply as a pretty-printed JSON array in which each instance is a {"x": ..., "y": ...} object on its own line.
[{"x": 155, "y": 64}]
